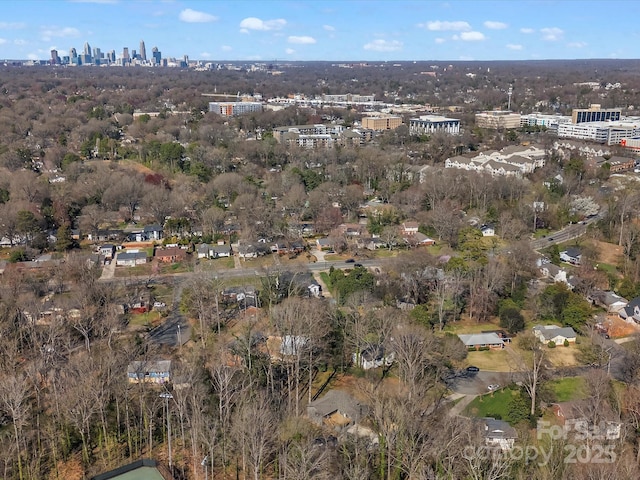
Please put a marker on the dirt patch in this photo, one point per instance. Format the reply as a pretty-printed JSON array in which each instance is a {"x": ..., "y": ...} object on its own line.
[
  {"x": 608, "y": 252},
  {"x": 618, "y": 328}
]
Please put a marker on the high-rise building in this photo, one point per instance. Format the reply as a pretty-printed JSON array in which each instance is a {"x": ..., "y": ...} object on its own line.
[
  {"x": 87, "y": 48},
  {"x": 55, "y": 60},
  {"x": 125, "y": 54},
  {"x": 157, "y": 55},
  {"x": 143, "y": 51}
]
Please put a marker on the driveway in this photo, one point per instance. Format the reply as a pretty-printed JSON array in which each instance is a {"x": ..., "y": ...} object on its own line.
[{"x": 477, "y": 383}]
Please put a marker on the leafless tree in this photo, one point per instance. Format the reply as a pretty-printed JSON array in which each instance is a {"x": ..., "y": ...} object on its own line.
[{"x": 530, "y": 364}]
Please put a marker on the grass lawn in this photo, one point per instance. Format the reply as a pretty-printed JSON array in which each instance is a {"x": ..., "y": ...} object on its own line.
[
  {"x": 144, "y": 319},
  {"x": 222, "y": 263},
  {"x": 491, "y": 360},
  {"x": 562, "y": 356},
  {"x": 495, "y": 404},
  {"x": 144, "y": 269},
  {"x": 608, "y": 268},
  {"x": 565, "y": 389},
  {"x": 325, "y": 278}
]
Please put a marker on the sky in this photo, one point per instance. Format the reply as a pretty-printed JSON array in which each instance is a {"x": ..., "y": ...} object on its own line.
[{"x": 330, "y": 30}]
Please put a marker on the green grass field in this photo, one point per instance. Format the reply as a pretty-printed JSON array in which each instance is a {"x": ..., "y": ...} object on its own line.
[
  {"x": 566, "y": 389},
  {"x": 495, "y": 404}
]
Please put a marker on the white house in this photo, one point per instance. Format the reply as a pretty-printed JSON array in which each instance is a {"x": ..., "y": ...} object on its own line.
[
  {"x": 487, "y": 231},
  {"x": 373, "y": 356},
  {"x": 498, "y": 433},
  {"x": 555, "y": 334},
  {"x": 131, "y": 258}
]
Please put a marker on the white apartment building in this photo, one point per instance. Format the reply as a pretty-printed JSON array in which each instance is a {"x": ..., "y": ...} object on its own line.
[
  {"x": 610, "y": 133},
  {"x": 550, "y": 122},
  {"x": 514, "y": 161},
  {"x": 428, "y": 124},
  {"x": 229, "y": 109}
]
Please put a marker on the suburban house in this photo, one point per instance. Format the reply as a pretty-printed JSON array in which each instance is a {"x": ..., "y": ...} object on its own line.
[
  {"x": 609, "y": 300},
  {"x": 481, "y": 340},
  {"x": 170, "y": 254},
  {"x": 409, "y": 228},
  {"x": 108, "y": 250},
  {"x": 148, "y": 233},
  {"x": 247, "y": 251},
  {"x": 555, "y": 334},
  {"x": 205, "y": 250},
  {"x": 631, "y": 311},
  {"x": 373, "y": 356},
  {"x": 149, "y": 371},
  {"x": 487, "y": 230},
  {"x": 554, "y": 272},
  {"x": 336, "y": 409},
  {"x": 324, "y": 243},
  {"x": 292, "y": 345},
  {"x": 131, "y": 258},
  {"x": 370, "y": 243},
  {"x": 571, "y": 415},
  {"x": 498, "y": 433},
  {"x": 571, "y": 255}
]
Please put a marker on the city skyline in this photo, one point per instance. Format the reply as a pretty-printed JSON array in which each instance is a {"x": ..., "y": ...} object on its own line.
[{"x": 349, "y": 30}]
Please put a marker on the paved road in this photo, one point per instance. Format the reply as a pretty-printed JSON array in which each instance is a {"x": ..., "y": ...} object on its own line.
[{"x": 567, "y": 233}]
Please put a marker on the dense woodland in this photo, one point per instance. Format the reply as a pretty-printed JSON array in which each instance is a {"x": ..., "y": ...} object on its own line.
[{"x": 67, "y": 408}]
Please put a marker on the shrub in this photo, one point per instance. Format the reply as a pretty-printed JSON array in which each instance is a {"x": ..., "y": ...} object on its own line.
[
  {"x": 551, "y": 344},
  {"x": 566, "y": 342}
]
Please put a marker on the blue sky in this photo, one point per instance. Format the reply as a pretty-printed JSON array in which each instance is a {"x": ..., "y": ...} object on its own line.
[{"x": 338, "y": 30}]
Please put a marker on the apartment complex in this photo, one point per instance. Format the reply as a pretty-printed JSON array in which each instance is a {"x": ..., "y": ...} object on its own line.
[
  {"x": 321, "y": 136},
  {"x": 498, "y": 119},
  {"x": 230, "y": 109},
  {"x": 595, "y": 114},
  {"x": 513, "y": 161},
  {"x": 550, "y": 122},
  {"x": 428, "y": 124},
  {"x": 608, "y": 132},
  {"x": 381, "y": 123}
]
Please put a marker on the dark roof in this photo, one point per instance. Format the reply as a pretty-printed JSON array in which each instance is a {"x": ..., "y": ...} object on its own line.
[{"x": 498, "y": 429}]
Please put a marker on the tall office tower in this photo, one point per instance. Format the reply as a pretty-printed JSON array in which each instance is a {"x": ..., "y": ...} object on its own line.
[
  {"x": 112, "y": 56},
  {"x": 55, "y": 60},
  {"x": 157, "y": 56},
  {"x": 125, "y": 54},
  {"x": 143, "y": 51},
  {"x": 73, "y": 53},
  {"x": 97, "y": 53},
  {"x": 87, "y": 48}
]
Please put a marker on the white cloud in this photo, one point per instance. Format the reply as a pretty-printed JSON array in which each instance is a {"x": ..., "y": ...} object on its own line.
[
  {"x": 527, "y": 30},
  {"x": 512, "y": 46},
  {"x": 205, "y": 55},
  {"x": 577, "y": 44},
  {"x": 193, "y": 16},
  {"x": 290, "y": 51},
  {"x": 472, "y": 36},
  {"x": 226, "y": 48},
  {"x": 440, "y": 40},
  {"x": 301, "y": 40},
  {"x": 33, "y": 56},
  {"x": 19, "y": 41},
  {"x": 3, "y": 41},
  {"x": 384, "y": 46},
  {"x": 551, "y": 34},
  {"x": 12, "y": 25},
  {"x": 495, "y": 25},
  {"x": 50, "y": 32},
  {"x": 440, "y": 26},
  {"x": 253, "y": 23},
  {"x": 329, "y": 28}
]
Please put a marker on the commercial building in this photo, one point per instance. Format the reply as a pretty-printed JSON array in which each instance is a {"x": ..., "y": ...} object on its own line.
[
  {"x": 610, "y": 133},
  {"x": 428, "y": 124},
  {"x": 230, "y": 109},
  {"x": 382, "y": 123},
  {"x": 498, "y": 119},
  {"x": 550, "y": 122},
  {"x": 595, "y": 114}
]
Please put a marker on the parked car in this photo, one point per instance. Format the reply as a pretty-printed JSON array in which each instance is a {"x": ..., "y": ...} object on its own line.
[
  {"x": 349, "y": 260},
  {"x": 357, "y": 265},
  {"x": 473, "y": 369},
  {"x": 493, "y": 387}
]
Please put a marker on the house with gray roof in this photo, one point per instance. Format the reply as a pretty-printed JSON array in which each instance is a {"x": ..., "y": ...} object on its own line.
[
  {"x": 555, "y": 334},
  {"x": 131, "y": 258},
  {"x": 336, "y": 409},
  {"x": 481, "y": 340},
  {"x": 498, "y": 433}
]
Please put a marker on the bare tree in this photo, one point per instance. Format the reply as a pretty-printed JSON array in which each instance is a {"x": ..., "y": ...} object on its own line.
[{"x": 530, "y": 364}]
